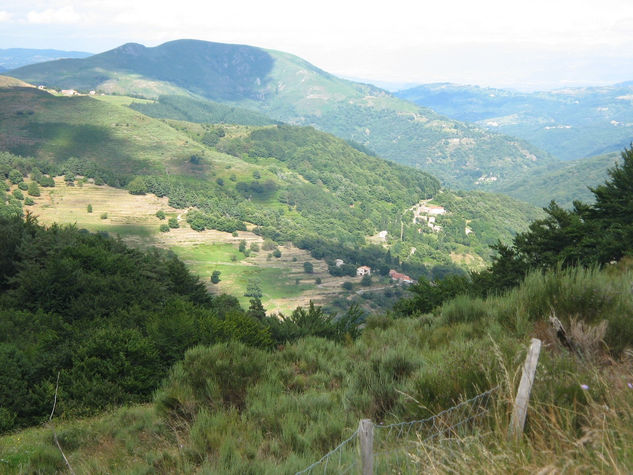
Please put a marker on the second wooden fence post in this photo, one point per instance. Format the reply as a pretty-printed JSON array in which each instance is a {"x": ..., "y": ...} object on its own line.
[{"x": 366, "y": 437}]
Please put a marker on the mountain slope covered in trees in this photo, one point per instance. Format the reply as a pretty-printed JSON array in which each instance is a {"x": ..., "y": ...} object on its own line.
[
  {"x": 568, "y": 123},
  {"x": 292, "y": 183},
  {"x": 289, "y": 89}
]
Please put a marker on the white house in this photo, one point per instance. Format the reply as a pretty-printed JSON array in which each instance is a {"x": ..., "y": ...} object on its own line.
[{"x": 363, "y": 270}]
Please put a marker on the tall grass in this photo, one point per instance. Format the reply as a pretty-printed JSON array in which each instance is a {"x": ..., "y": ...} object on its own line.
[{"x": 234, "y": 409}]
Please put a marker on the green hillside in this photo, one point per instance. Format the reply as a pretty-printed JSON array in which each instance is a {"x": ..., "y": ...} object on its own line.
[
  {"x": 289, "y": 184},
  {"x": 568, "y": 123},
  {"x": 289, "y": 89},
  {"x": 199, "y": 110},
  {"x": 564, "y": 183}
]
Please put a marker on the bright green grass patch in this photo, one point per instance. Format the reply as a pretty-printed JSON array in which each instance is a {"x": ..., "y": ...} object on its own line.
[{"x": 275, "y": 282}]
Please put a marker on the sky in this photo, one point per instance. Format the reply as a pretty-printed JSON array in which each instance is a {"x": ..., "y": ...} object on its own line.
[{"x": 521, "y": 44}]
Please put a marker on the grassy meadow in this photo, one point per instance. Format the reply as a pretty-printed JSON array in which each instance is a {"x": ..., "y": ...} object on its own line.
[{"x": 133, "y": 218}]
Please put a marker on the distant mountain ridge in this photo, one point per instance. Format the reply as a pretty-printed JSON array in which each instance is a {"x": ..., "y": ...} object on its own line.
[
  {"x": 289, "y": 89},
  {"x": 569, "y": 123},
  {"x": 12, "y": 58}
]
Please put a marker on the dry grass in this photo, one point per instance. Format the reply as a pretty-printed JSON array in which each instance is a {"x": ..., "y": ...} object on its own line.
[{"x": 133, "y": 217}]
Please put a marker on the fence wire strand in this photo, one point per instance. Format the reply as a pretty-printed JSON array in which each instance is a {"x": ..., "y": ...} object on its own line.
[
  {"x": 400, "y": 433},
  {"x": 326, "y": 458}
]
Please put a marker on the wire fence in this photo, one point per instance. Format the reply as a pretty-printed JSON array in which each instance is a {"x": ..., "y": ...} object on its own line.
[{"x": 394, "y": 444}]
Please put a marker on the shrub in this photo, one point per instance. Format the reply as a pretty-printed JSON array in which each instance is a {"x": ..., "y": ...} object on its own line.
[
  {"x": 173, "y": 223},
  {"x": 23, "y": 186},
  {"x": 365, "y": 281},
  {"x": 164, "y": 228},
  {"x": 15, "y": 176},
  {"x": 277, "y": 253},
  {"x": 104, "y": 215},
  {"x": 347, "y": 285},
  {"x": 137, "y": 186},
  {"x": 160, "y": 214},
  {"x": 29, "y": 201},
  {"x": 89, "y": 208},
  {"x": 317, "y": 281},
  {"x": 215, "y": 277},
  {"x": 308, "y": 268},
  {"x": 17, "y": 194},
  {"x": 254, "y": 247}
]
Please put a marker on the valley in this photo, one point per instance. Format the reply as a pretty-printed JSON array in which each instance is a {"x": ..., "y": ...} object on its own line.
[{"x": 220, "y": 258}]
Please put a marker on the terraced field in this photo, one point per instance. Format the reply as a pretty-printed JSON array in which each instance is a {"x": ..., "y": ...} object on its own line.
[{"x": 283, "y": 282}]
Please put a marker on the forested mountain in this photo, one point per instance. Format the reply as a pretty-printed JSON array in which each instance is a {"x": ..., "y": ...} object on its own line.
[
  {"x": 568, "y": 123},
  {"x": 564, "y": 183},
  {"x": 11, "y": 58},
  {"x": 289, "y": 89},
  {"x": 292, "y": 183}
]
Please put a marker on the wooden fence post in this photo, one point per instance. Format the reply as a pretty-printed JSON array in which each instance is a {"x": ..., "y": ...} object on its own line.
[
  {"x": 519, "y": 412},
  {"x": 366, "y": 436}
]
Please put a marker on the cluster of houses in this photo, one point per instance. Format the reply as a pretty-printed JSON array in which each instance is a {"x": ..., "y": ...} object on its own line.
[
  {"x": 395, "y": 275},
  {"x": 67, "y": 92},
  {"x": 427, "y": 213}
]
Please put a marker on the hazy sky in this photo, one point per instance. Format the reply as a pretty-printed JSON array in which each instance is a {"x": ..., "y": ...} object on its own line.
[{"x": 525, "y": 44}]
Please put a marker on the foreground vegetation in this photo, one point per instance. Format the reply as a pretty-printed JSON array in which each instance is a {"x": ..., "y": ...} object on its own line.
[{"x": 231, "y": 408}]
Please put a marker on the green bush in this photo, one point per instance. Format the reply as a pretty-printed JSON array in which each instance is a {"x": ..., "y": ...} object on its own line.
[
  {"x": 173, "y": 223},
  {"x": 160, "y": 214},
  {"x": 15, "y": 176},
  {"x": 164, "y": 228},
  {"x": 104, "y": 215},
  {"x": 34, "y": 189},
  {"x": 89, "y": 208},
  {"x": 23, "y": 186}
]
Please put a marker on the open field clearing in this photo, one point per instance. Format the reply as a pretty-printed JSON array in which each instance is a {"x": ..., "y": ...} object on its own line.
[{"x": 283, "y": 282}]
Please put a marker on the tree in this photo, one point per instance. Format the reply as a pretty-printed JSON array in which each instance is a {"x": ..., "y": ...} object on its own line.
[
  {"x": 164, "y": 228},
  {"x": 365, "y": 281},
  {"x": 256, "y": 309},
  {"x": 308, "y": 267},
  {"x": 242, "y": 246},
  {"x": 15, "y": 176},
  {"x": 137, "y": 186},
  {"x": 34, "y": 189},
  {"x": 173, "y": 223},
  {"x": 215, "y": 277},
  {"x": 89, "y": 208},
  {"x": 277, "y": 253},
  {"x": 253, "y": 290},
  {"x": 347, "y": 285},
  {"x": 160, "y": 214}
]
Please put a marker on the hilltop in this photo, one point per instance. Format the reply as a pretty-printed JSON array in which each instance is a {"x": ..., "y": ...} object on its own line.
[{"x": 289, "y": 89}]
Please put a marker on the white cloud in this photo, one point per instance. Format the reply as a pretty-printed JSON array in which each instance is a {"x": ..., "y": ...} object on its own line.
[
  {"x": 64, "y": 15},
  {"x": 4, "y": 16}
]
